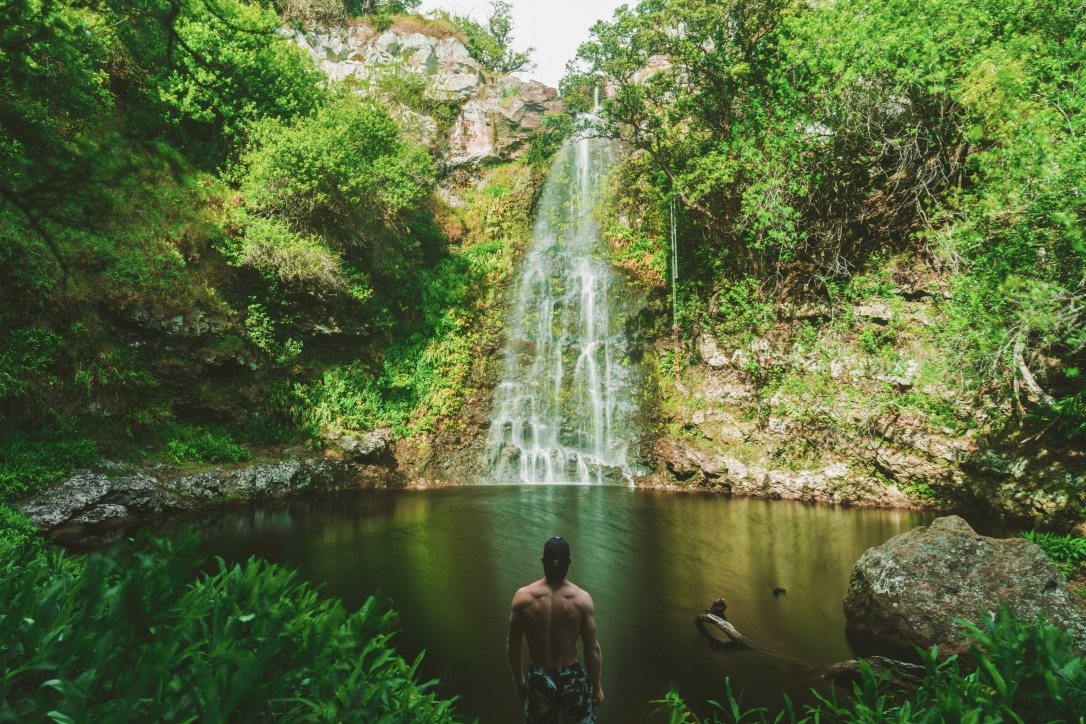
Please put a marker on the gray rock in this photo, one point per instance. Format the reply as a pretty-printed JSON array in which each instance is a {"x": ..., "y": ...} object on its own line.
[
  {"x": 910, "y": 590},
  {"x": 455, "y": 86},
  {"x": 138, "y": 493},
  {"x": 262, "y": 481},
  {"x": 880, "y": 312},
  {"x": 372, "y": 446},
  {"x": 59, "y": 503},
  {"x": 199, "y": 486},
  {"x": 99, "y": 514},
  {"x": 710, "y": 352}
]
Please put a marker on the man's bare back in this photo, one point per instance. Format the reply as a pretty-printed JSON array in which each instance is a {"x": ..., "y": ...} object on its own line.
[
  {"x": 552, "y": 613},
  {"x": 553, "y": 618}
]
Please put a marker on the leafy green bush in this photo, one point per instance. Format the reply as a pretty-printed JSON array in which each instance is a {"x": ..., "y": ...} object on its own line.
[
  {"x": 325, "y": 199},
  {"x": 491, "y": 43},
  {"x": 19, "y": 532},
  {"x": 1025, "y": 672},
  {"x": 29, "y": 463},
  {"x": 139, "y": 634},
  {"x": 807, "y": 141},
  {"x": 25, "y": 355},
  {"x": 1067, "y": 552},
  {"x": 205, "y": 445}
]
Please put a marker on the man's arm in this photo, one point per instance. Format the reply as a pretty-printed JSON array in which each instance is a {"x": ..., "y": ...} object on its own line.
[
  {"x": 593, "y": 656},
  {"x": 512, "y": 648}
]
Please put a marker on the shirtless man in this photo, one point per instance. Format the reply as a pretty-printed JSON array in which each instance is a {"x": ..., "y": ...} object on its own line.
[{"x": 552, "y": 613}]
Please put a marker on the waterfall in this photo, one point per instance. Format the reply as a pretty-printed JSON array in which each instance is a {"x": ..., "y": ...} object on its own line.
[{"x": 563, "y": 411}]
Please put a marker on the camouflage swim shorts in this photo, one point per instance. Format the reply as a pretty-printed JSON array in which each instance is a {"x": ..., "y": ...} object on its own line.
[{"x": 551, "y": 692}]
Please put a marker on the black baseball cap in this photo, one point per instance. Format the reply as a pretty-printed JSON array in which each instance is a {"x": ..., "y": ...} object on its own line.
[{"x": 556, "y": 552}]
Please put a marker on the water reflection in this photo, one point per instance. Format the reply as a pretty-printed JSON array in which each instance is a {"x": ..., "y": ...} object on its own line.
[{"x": 450, "y": 560}]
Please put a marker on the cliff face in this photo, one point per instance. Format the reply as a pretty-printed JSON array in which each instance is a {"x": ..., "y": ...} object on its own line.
[
  {"x": 851, "y": 404},
  {"x": 494, "y": 114}
]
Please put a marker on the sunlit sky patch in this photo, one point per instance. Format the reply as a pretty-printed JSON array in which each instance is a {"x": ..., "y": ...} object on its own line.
[{"x": 555, "y": 28}]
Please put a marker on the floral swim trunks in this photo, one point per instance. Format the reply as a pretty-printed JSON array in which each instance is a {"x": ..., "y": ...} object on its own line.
[{"x": 564, "y": 691}]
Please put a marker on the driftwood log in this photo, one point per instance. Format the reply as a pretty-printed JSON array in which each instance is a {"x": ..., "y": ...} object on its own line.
[
  {"x": 719, "y": 629},
  {"x": 716, "y": 627}
]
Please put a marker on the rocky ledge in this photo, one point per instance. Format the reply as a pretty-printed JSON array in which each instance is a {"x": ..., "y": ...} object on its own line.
[
  {"x": 911, "y": 590},
  {"x": 115, "y": 495}
]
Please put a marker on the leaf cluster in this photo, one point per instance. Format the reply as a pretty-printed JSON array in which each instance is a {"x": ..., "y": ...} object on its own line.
[
  {"x": 1067, "y": 552},
  {"x": 491, "y": 42},
  {"x": 805, "y": 141},
  {"x": 140, "y": 633}
]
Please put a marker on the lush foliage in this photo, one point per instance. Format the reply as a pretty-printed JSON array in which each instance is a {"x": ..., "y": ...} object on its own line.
[
  {"x": 209, "y": 445},
  {"x": 325, "y": 200},
  {"x": 803, "y": 139},
  {"x": 491, "y": 42},
  {"x": 111, "y": 116},
  {"x": 29, "y": 463},
  {"x": 1025, "y": 672},
  {"x": 191, "y": 213},
  {"x": 422, "y": 376},
  {"x": 1067, "y": 552},
  {"x": 138, "y": 633}
]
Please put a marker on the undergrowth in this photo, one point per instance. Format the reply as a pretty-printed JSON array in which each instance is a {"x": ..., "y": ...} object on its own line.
[
  {"x": 1067, "y": 553},
  {"x": 140, "y": 633},
  {"x": 204, "y": 445},
  {"x": 30, "y": 462},
  {"x": 1025, "y": 672}
]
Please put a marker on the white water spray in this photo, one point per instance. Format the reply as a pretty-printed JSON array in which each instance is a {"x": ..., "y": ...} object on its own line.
[{"x": 563, "y": 412}]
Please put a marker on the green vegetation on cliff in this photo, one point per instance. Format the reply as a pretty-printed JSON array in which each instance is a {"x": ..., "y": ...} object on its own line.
[
  {"x": 207, "y": 243},
  {"x": 809, "y": 144},
  {"x": 880, "y": 235}
]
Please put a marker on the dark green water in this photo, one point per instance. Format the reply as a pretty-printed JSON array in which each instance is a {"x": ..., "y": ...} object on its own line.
[{"x": 450, "y": 560}]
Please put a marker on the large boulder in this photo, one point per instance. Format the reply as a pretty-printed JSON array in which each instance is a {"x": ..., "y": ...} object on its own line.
[{"x": 910, "y": 590}]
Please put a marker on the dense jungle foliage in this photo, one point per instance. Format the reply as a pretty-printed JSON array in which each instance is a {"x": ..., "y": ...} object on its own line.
[
  {"x": 207, "y": 246},
  {"x": 141, "y": 633},
  {"x": 814, "y": 145}
]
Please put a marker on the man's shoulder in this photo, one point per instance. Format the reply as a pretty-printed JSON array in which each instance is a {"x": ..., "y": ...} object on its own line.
[
  {"x": 578, "y": 594},
  {"x": 528, "y": 592}
]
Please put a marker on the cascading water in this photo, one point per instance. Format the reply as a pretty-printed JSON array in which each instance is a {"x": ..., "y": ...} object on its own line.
[{"x": 563, "y": 412}]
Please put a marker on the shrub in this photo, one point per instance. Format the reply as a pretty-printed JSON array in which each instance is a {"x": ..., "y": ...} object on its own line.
[
  {"x": 138, "y": 634},
  {"x": 19, "y": 532},
  {"x": 206, "y": 445},
  {"x": 29, "y": 463},
  {"x": 1067, "y": 552}
]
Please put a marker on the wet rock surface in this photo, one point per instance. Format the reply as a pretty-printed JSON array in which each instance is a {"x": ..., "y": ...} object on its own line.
[
  {"x": 835, "y": 483},
  {"x": 910, "y": 590}
]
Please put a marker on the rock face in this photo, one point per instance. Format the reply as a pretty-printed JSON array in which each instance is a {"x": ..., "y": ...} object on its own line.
[
  {"x": 496, "y": 122},
  {"x": 726, "y": 473},
  {"x": 910, "y": 590},
  {"x": 497, "y": 115},
  {"x": 851, "y": 425}
]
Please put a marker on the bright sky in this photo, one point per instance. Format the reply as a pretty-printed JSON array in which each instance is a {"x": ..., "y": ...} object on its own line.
[{"x": 555, "y": 28}]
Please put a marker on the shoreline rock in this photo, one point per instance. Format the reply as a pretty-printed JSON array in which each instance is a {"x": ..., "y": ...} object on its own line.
[{"x": 910, "y": 590}]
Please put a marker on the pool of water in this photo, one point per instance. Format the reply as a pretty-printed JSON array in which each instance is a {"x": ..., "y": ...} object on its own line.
[{"x": 450, "y": 560}]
